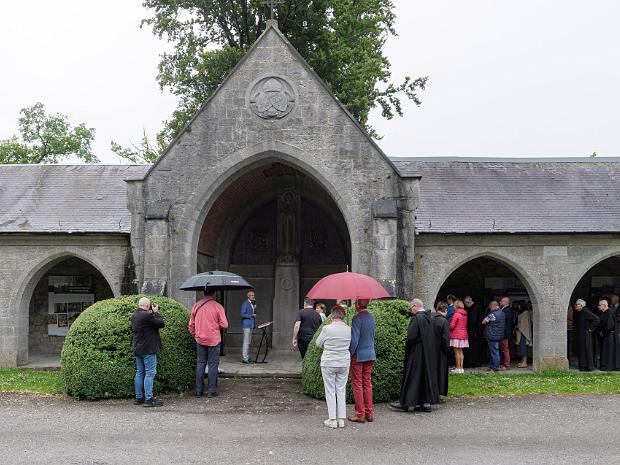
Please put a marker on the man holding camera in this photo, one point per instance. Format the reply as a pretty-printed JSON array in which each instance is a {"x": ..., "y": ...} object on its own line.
[{"x": 146, "y": 344}]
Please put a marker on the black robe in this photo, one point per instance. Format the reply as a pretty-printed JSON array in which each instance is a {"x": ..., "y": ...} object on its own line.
[
  {"x": 442, "y": 340},
  {"x": 475, "y": 356},
  {"x": 585, "y": 323},
  {"x": 419, "y": 384},
  {"x": 607, "y": 328}
]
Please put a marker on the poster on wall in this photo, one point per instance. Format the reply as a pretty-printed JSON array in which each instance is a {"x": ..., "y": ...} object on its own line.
[{"x": 63, "y": 310}]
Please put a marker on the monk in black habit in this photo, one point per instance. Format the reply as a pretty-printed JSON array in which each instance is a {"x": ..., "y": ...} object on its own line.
[
  {"x": 419, "y": 385},
  {"x": 586, "y": 323},
  {"x": 474, "y": 356},
  {"x": 441, "y": 329},
  {"x": 607, "y": 328}
]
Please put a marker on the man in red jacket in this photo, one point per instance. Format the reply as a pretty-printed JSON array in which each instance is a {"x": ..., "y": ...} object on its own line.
[{"x": 205, "y": 323}]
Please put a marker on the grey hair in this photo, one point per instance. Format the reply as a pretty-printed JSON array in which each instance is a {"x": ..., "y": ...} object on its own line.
[
  {"x": 337, "y": 312},
  {"x": 417, "y": 302},
  {"x": 144, "y": 301},
  {"x": 580, "y": 301}
]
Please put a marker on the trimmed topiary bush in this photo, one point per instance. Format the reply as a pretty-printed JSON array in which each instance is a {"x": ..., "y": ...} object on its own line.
[
  {"x": 392, "y": 318},
  {"x": 96, "y": 357}
]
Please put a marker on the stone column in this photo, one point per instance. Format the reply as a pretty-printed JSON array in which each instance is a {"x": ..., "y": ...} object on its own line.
[
  {"x": 551, "y": 277},
  {"x": 8, "y": 328},
  {"x": 385, "y": 242},
  {"x": 156, "y": 257},
  {"x": 286, "y": 275}
]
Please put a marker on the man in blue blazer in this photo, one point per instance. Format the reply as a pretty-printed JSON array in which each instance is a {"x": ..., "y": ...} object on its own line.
[
  {"x": 362, "y": 360},
  {"x": 248, "y": 322}
]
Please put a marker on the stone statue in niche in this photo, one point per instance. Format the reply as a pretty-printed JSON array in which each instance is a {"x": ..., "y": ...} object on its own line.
[
  {"x": 287, "y": 228},
  {"x": 272, "y": 98}
]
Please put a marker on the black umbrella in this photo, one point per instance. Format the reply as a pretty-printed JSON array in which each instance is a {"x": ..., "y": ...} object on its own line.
[{"x": 216, "y": 281}]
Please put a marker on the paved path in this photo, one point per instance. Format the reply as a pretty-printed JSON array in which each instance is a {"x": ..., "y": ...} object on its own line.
[{"x": 270, "y": 422}]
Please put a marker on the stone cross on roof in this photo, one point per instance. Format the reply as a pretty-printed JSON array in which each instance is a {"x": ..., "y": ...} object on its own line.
[{"x": 272, "y": 4}]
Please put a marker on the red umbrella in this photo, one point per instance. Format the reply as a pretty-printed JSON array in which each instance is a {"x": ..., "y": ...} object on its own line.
[{"x": 347, "y": 286}]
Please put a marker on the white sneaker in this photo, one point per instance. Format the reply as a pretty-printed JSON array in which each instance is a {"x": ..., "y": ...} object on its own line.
[
  {"x": 340, "y": 423},
  {"x": 331, "y": 423}
]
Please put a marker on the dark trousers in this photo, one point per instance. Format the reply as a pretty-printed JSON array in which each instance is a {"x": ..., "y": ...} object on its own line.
[
  {"x": 207, "y": 356},
  {"x": 303, "y": 346}
]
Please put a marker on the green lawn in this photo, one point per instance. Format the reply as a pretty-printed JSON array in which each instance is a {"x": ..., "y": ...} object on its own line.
[
  {"x": 551, "y": 382},
  {"x": 39, "y": 382},
  {"x": 51, "y": 382}
]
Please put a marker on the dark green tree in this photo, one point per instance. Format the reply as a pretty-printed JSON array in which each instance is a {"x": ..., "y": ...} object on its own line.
[
  {"x": 47, "y": 139},
  {"x": 341, "y": 39}
]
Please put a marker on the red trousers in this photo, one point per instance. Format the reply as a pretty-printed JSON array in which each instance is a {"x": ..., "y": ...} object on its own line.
[
  {"x": 504, "y": 353},
  {"x": 362, "y": 386}
]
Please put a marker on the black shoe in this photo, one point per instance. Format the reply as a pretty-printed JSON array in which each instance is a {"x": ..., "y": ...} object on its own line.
[
  {"x": 138, "y": 401},
  {"x": 212, "y": 394},
  {"x": 398, "y": 406},
  {"x": 247, "y": 361},
  {"x": 198, "y": 394},
  {"x": 426, "y": 408},
  {"x": 153, "y": 403}
]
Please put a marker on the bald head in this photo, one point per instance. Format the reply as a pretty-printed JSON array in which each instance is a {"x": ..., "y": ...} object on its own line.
[{"x": 417, "y": 306}]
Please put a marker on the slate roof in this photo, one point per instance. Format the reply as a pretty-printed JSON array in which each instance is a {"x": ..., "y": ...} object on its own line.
[
  {"x": 65, "y": 198},
  {"x": 478, "y": 195},
  {"x": 457, "y": 195}
]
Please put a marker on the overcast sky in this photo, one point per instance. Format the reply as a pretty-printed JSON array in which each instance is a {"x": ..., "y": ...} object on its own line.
[{"x": 527, "y": 78}]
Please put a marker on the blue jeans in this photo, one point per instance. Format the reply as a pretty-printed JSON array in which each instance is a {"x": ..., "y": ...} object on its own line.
[
  {"x": 146, "y": 368},
  {"x": 207, "y": 356},
  {"x": 522, "y": 349},
  {"x": 494, "y": 350}
]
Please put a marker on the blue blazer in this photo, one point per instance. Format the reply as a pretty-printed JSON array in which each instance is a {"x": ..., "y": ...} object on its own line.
[
  {"x": 247, "y": 310},
  {"x": 363, "y": 337}
]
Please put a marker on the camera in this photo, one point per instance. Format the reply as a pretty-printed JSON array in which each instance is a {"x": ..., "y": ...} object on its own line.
[{"x": 154, "y": 308}]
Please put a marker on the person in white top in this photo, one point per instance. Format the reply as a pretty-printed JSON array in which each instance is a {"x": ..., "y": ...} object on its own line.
[{"x": 335, "y": 339}]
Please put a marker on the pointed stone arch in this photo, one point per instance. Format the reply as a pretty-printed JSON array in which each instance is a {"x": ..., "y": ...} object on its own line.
[{"x": 19, "y": 303}]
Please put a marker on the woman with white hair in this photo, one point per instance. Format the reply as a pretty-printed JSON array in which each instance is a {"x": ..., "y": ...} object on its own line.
[{"x": 335, "y": 339}]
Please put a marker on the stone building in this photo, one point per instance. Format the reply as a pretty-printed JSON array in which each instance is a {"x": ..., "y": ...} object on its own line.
[{"x": 275, "y": 180}]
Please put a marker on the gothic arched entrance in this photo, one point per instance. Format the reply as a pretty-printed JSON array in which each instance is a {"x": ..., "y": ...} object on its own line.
[{"x": 277, "y": 227}]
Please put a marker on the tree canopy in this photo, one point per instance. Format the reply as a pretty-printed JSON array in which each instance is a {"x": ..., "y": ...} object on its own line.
[
  {"x": 47, "y": 139},
  {"x": 341, "y": 39}
]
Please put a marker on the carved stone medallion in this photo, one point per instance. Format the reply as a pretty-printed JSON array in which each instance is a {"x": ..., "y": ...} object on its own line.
[{"x": 272, "y": 97}]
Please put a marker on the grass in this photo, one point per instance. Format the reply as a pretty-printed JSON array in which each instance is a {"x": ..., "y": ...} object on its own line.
[
  {"x": 474, "y": 385},
  {"x": 31, "y": 381},
  {"x": 550, "y": 382}
]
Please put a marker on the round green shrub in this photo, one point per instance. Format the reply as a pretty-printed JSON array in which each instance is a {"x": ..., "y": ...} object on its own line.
[
  {"x": 392, "y": 318},
  {"x": 96, "y": 357}
]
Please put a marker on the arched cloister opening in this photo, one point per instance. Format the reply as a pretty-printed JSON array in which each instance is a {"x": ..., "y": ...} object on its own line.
[
  {"x": 61, "y": 290},
  {"x": 485, "y": 279},
  {"x": 280, "y": 229},
  {"x": 601, "y": 282}
]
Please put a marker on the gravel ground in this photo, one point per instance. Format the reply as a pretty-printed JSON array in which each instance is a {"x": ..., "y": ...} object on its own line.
[{"x": 262, "y": 421}]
